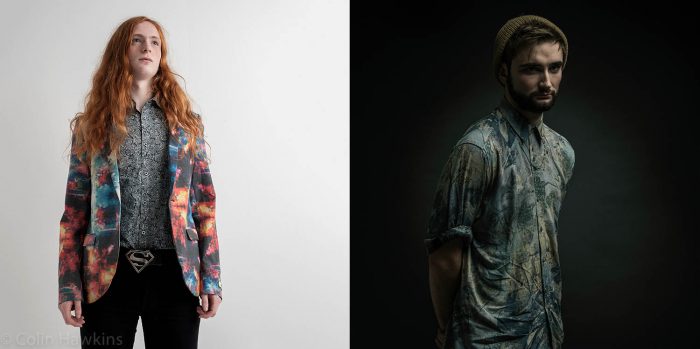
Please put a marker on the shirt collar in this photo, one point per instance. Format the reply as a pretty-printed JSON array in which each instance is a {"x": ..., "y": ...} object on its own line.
[
  {"x": 519, "y": 123},
  {"x": 154, "y": 99}
]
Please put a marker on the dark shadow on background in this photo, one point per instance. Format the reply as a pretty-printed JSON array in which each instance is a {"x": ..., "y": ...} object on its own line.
[{"x": 421, "y": 75}]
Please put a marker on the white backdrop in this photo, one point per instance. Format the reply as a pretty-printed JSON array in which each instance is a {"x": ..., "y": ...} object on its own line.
[{"x": 271, "y": 80}]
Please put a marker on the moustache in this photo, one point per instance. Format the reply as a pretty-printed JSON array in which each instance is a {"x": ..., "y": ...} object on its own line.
[{"x": 548, "y": 93}]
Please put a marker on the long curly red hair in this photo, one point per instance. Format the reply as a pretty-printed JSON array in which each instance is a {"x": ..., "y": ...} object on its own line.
[{"x": 103, "y": 122}]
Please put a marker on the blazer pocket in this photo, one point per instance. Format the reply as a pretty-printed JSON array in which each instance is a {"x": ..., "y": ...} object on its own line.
[
  {"x": 192, "y": 234},
  {"x": 89, "y": 240}
]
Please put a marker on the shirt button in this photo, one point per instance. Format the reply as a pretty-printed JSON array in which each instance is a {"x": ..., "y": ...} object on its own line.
[{"x": 143, "y": 232}]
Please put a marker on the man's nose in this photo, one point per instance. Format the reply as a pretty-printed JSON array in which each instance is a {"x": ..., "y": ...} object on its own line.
[
  {"x": 146, "y": 47},
  {"x": 546, "y": 81}
]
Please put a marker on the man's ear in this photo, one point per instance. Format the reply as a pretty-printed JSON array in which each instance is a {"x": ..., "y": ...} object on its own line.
[{"x": 503, "y": 74}]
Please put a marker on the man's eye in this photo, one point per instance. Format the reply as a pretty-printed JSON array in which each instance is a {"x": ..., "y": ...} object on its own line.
[
  {"x": 554, "y": 69},
  {"x": 135, "y": 40}
]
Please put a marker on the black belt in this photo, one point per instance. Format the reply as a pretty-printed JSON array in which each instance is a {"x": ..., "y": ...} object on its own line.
[{"x": 140, "y": 259}]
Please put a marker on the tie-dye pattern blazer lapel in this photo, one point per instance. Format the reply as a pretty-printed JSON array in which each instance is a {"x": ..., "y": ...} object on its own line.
[{"x": 89, "y": 227}]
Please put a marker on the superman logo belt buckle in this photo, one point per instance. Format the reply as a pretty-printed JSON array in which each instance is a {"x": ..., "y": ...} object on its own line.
[{"x": 139, "y": 259}]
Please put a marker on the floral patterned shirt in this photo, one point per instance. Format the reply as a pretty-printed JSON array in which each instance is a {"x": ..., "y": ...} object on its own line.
[{"x": 500, "y": 192}]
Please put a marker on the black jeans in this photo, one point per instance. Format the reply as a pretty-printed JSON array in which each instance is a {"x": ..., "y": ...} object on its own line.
[{"x": 157, "y": 294}]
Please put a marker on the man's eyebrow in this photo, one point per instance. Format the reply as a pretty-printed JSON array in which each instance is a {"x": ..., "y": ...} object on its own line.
[{"x": 528, "y": 65}]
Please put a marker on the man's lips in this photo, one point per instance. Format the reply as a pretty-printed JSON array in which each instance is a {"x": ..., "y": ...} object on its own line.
[{"x": 145, "y": 60}]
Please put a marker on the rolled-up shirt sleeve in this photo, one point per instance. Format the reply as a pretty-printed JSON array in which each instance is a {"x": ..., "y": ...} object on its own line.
[{"x": 459, "y": 196}]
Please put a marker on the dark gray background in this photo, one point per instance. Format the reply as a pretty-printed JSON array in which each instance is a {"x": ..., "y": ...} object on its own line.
[{"x": 421, "y": 74}]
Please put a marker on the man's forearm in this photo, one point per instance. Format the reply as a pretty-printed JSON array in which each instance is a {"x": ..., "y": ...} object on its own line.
[{"x": 445, "y": 275}]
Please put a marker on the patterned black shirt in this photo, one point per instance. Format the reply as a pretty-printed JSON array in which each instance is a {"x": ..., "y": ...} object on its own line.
[{"x": 144, "y": 180}]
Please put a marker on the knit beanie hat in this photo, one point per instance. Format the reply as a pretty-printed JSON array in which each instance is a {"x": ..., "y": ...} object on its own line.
[{"x": 514, "y": 24}]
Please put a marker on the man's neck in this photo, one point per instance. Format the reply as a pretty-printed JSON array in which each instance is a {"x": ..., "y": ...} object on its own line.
[
  {"x": 141, "y": 92},
  {"x": 533, "y": 118}
]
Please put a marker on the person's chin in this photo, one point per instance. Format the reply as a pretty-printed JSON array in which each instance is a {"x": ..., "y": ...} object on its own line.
[{"x": 143, "y": 75}]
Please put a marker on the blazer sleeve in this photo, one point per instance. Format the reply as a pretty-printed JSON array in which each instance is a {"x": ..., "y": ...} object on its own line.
[
  {"x": 73, "y": 226},
  {"x": 203, "y": 203}
]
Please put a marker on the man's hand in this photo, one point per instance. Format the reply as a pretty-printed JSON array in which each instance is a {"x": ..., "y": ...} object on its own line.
[
  {"x": 209, "y": 305},
  {"x": 76, "y": 321}
]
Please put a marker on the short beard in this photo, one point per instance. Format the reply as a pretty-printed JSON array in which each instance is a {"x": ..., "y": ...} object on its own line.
[{"x": 528, "y": 103}]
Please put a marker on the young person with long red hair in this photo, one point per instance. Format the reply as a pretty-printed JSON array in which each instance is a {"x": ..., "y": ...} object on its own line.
[{"x": 138, "y": 235}]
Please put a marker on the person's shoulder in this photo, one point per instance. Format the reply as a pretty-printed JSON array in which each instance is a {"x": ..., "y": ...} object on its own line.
[
  {"x": 560, "y": 144},
  {"x": 481, "y": 132},
  {"x": 559, "y": 139}
]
